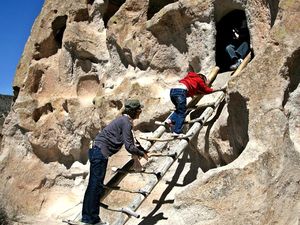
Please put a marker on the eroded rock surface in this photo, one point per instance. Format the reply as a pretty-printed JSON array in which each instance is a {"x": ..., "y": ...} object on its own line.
[
  {"x": 84, "y": 58},
  {"x": 5, "y": 104}
]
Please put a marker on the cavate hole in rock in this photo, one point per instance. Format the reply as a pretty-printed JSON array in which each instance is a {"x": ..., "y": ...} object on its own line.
[
  {"x": 234, "y": 20},
  {"x": 81, "y": 15},
  {"x": 53, "y": 155},
  {"x": 65, "y": 106},
  {"x": 85, "y": 65},
  {"x": 33, "y": 82},
  {"x": 37, "y": 113},
  {"x": 112, "y": 7},
  {"x": 90, "y": 2},
  {"x": 50, "y": 45},
  {"x": 116, "y": 104},
  {"x": 36, "y": 82},
  {"x": 150, "y": 126},
  {"x": 58, "y": 27},
  {"x": 294, "y": 75},
  {"x": 156, "y": 5},
  {"x": 145, "y": 127},
  {"x": 238, "y": 122},
  {"x": 273, "y": 4},
  {"x": 87, "y": 88},
  {"x": 16, "y": 91}
]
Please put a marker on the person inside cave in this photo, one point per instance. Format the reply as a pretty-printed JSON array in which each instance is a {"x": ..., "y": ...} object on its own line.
[
  {"x": 233, "y": 40},
  {"x": 238, "y": 44}
]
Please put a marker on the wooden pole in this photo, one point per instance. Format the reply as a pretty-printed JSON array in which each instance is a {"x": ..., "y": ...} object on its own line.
[
  {"x": 202, "y": 118},
  {"x": 243, "y": 64},
  {"x": 211, "y": 76}
]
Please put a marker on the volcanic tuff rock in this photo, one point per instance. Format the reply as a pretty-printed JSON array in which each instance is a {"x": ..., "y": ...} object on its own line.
[
  {"x": 84, "y": 57},
  {"x": 5, "y": 104}
]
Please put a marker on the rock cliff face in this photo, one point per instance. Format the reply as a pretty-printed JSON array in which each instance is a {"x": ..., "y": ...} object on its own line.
[
  {"x": 85, "y": 57},
  {"x": 5, "y": 104}
]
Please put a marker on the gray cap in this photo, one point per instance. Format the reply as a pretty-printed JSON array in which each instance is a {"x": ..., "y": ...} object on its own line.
[{"x": 133, "y": 104}]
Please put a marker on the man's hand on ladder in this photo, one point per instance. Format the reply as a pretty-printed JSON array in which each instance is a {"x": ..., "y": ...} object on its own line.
[{"x": 137, "y": 166}]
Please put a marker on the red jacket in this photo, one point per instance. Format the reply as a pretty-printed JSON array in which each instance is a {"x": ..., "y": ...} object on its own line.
[{"x": 195, "y": 84}]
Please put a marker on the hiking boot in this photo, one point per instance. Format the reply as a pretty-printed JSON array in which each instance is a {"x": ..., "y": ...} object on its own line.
[{"x": 236, "y": 65}]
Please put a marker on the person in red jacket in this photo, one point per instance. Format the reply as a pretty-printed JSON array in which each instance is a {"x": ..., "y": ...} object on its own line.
[{"x": 192, "y": 84}]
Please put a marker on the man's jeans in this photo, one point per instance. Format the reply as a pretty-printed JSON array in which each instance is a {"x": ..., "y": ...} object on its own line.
[
  {"x": 178, "y": 97},
  {"x": 238, "y": 52},
  {"x": 91, "y": 201}
]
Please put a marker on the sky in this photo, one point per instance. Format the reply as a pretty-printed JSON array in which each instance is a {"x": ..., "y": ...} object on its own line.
[{"x": 16, "y": 20}]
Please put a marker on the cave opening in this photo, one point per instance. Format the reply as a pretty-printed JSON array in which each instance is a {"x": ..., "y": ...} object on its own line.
[
  {"x": 232, "y": 33},
  {"x": 90, "y": 2},
  {"x": 156, "y": 5},
  {"x": 16, "y": 91},
  {"x": 36, "y": 83},
  {"x": 58, "y": 27},
  {"x": 39, "y": 112},
  {"x": 273, "y": 4},
  {"x": 50, "y": 45},
  {"x": 112, "y": 7},
  {"x": 293, "y": 75}
]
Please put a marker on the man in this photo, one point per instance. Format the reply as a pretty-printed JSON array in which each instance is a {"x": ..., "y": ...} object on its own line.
[
  {"x": 238, "y": 46},
  {"x": 108, "y": 142},
  {"x": 192, "y": 84}
]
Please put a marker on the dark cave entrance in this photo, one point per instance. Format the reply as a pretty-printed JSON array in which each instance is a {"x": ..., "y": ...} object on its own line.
[
  {"x": 112, "y": 7},
  {"x": 58, "y": 27},
  {"x": 156, "y": 5},
  {"x": 234, "y": 20},
  {"x": 50, "y": 45}
]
